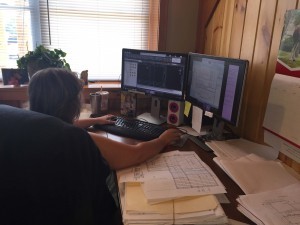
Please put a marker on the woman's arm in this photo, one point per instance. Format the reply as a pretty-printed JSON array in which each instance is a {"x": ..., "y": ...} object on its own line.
[
  {"x": 120, "y": 155},
  {"x": 87, "y": 122}
]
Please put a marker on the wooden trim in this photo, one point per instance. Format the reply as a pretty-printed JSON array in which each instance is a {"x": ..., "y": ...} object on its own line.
[
  {"x": 163, "y": 25},
  {"x": 12, "y": 93},
  {"x": 153, "y": 25},
  {"x": 205, "y": 12}
]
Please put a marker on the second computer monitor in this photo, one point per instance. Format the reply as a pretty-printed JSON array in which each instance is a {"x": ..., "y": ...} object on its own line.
[
  {"x": 159, "y": 74},
  {"x": 216, "y": 84}
]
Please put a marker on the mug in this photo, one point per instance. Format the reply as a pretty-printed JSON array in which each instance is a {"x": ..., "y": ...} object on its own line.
[{"x": 99, "y": 102}]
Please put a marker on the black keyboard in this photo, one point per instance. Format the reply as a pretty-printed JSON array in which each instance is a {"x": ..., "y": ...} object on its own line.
[{"x": 133, "y": 128}]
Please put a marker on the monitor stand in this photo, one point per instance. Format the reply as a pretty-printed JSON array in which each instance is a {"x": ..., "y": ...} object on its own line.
[
  {"x": 154, "y": 116},
  {"x": 218, "y": 133}
]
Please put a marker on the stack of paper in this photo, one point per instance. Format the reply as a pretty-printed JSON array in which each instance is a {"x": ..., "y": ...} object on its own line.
[
  {"x": 236, "y": 148},
  {"x": 277, "y": 207},
  {"x": 272, "y": 192},
  {"x": 255, "y": 175},
  {"x": 173, "y": 188}
]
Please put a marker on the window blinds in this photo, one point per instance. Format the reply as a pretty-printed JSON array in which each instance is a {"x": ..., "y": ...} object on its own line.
[{"x": 93, "y": 32}]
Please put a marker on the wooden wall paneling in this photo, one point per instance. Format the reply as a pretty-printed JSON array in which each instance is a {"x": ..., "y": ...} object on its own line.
[
  {"x": 247, "y": 50},
  {"x": 182, "y": 26},
  {"x": 227, "y": 25},
  {"x": 153, "y": 33},
  {"x": 163, "y": 21},
  {"x": 259, "y": 68},
  {"x": 217, "y": 29},
  {"x": 237, "y": 28},
  {"x": 208, "y": 37},
  {"x": 205, "y": 12}
]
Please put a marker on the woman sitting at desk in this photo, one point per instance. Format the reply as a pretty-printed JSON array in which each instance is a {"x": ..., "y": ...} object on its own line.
[{"x": 57, "y": 92}]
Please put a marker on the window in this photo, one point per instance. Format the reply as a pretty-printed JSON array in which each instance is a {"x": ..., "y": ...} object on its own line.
[
  {"x": 91, "y": 32},
  {"x": 18, "y": 24}
]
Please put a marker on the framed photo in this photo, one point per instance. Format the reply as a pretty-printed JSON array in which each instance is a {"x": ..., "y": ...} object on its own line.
[
  {"x": 14, "y": 77},
  {"x": 128, "y": 104},
  {"x": 288, "y": 61}
]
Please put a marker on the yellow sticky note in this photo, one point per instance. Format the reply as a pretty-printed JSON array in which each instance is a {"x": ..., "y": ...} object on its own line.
[{"x": 187, "y": 108}]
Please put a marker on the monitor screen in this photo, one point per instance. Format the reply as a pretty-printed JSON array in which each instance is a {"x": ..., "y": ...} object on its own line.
[
  {"x": 215, "y": 84},
  {"x": 160, "y": 74}
]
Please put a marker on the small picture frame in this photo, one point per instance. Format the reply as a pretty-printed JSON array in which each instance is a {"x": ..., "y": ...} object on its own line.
[
  {"x": 128, "y": 104},
  {"x": 14, "y": 77},
  {"x": 84, "y": 76}
]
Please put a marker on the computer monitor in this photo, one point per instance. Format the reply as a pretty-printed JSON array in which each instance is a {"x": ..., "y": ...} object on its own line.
[
  {"x": 155, "y": 73},
  {"x": 215, "y": 84}
]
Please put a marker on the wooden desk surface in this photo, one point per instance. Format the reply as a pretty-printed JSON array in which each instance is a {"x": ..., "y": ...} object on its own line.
[
  {"x": 19, "y": 93},
  {"x": 233, "y": 190}
]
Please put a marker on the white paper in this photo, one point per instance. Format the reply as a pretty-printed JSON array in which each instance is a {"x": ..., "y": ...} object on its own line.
[
  {"x": 197, "y": 119},
  {"x": 257, "y": 176},
  {"x": 277, "y": 207},
  {"x": 283, "y": 108},
  {"x": 236, "y": 148}
]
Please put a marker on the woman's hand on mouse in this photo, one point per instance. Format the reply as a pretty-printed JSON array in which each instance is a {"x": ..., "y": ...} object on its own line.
[{"x": 170, "y": 136}]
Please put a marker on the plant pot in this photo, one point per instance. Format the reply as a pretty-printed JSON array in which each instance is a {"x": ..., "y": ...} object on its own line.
[{"x": 35, "y": 65}]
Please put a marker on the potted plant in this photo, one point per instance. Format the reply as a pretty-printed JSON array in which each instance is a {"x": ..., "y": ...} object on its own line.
[{"x": 42, "y": 58}]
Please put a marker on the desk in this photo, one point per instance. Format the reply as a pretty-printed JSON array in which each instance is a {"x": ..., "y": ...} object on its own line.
[{"x": 233, "y": 190}]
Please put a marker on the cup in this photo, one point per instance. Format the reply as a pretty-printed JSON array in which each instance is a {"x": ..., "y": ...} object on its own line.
[{"x": 99, "y": 102}]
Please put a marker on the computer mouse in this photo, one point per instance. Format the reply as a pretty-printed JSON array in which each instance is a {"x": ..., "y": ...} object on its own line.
[
  {"x": 113, "y": 118},
  {"x": 180, "y": 143}
]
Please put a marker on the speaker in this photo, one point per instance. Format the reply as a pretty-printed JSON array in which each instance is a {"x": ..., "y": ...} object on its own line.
[{"x": 175, "y": 112}]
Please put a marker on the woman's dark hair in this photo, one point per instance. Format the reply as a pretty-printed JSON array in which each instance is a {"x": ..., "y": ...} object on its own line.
[{"x": 56, "y": 92}]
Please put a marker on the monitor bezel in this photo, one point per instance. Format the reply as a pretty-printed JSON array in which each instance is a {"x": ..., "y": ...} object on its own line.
[
  {"x": 217, "y": 112},
  {"x": 149, "y": 92}
]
